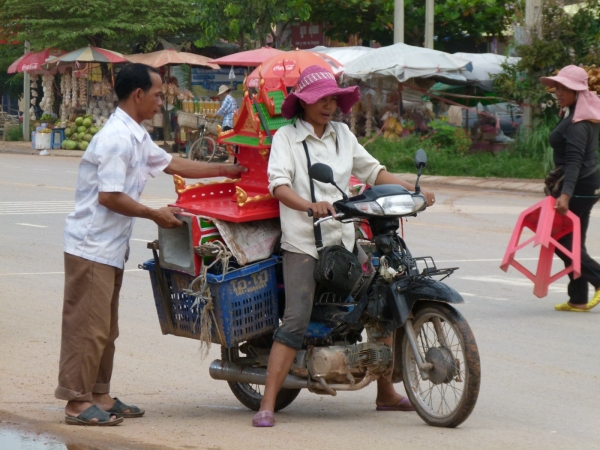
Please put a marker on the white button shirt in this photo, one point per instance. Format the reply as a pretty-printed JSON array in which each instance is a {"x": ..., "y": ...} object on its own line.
[
  {"x": 288, "y": 166},
  {"x": 118, "y": 159}
]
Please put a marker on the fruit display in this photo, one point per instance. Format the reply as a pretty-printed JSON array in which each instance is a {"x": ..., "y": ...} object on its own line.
[
  {"x": 392, "y": 128},
  {"x": 65, "y": 89},
  {"x": 101, "y": 105},
  {"x": 34, "y": 95},
  {"x": 80, "y": 133}
]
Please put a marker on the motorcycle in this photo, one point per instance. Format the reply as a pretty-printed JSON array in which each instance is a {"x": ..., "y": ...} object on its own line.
[{"x": 434, "y": 352}]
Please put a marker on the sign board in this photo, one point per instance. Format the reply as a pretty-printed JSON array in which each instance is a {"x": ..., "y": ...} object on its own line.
[
  {"x": 206, "y": 82},
  {"x": 307, "y": 35}
]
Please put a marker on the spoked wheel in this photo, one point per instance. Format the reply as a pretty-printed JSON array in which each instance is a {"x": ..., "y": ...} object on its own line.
[
  {"x": 250, "y": 395},
  {"x": 447, "y": 346},
  {"x": 203, "y": 149}
]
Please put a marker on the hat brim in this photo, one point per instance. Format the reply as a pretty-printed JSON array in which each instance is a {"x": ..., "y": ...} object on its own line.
[
  {"x": 566, "y": 82},
  {"x": 346, "y": 98}
]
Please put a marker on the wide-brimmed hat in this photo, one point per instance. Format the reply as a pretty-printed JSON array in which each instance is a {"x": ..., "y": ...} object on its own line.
[
  {"x": 571, "y": 77},
  {"x": 223, "y": 88},
  {"x": 314, "y": 83}
]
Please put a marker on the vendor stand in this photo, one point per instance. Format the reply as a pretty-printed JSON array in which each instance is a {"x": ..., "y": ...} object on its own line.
[{"x": 174, "y": 95}]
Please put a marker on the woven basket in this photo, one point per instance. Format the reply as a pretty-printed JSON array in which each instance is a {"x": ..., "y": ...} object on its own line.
[
  {"x": 157, "y": 120},
  {"x": 189, "y": 120}
]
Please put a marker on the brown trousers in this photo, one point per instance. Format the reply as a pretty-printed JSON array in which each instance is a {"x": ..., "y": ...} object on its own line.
[{"x": 89, "y": 328}]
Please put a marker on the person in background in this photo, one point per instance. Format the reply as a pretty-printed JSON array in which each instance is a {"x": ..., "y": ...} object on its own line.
[
  {"x": 575, "y": 144},
  {"x": 228, "y": 107},
  {"x": 112, "y": 175},
  {"x": 313, "y": 105}
]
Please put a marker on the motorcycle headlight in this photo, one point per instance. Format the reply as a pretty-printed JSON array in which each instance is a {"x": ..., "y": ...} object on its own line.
[{"x": 394, "y": 205}]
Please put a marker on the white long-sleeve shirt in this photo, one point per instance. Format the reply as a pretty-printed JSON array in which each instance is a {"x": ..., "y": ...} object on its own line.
[{"x": 288, "y": 166}]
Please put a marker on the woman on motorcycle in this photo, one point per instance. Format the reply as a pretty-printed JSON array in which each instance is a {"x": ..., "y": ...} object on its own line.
[{"x": 313, "y": 104}]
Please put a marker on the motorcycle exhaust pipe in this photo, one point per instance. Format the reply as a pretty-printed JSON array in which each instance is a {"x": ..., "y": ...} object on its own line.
[{"x": 228, "y": 371}]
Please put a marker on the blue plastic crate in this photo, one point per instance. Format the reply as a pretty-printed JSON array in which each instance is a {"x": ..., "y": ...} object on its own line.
[{"x": 245, "y": 302}]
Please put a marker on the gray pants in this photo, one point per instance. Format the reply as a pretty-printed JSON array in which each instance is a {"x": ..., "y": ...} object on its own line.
[{"x": 300, "y": 284}]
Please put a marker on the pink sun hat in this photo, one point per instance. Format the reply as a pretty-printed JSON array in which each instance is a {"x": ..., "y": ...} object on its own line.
[
  {"x": 575, "y": 78},
  {"x": 314, "y": 83}
]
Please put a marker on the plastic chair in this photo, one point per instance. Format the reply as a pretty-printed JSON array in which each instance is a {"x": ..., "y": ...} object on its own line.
[
  {"x": 61, "y": 133},
  {"x": 548, "y": 227}
]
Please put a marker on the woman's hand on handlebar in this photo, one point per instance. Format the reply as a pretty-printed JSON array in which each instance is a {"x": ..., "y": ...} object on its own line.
[
  {"x": 321, "y": 209},
  {"x": 430, "y": 197}
]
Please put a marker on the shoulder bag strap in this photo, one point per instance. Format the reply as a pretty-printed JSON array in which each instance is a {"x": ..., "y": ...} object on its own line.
[{"x": 317, "y": 229}]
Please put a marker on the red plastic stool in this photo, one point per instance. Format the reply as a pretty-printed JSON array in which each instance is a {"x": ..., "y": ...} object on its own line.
[{"x": 548, "y": 227}]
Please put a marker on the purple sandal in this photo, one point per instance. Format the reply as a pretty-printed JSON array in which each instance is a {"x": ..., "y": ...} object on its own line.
[{"x": 263, "y": 419}]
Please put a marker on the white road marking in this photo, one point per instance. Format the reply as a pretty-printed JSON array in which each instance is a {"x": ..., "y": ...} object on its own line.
[
  {"x": 60, "y": 207},
  {"x": 52, "y": 273},
  {"x": 141, "y": 240},
  {"x": 466, "y": 294},
  {"x": 517, "y": 282},
  {"x": 42, "y": 169},
  {"x": 32, "y": 225},
  {"x": 556, "y": 258},
  {"x": 69, "y": 171}
]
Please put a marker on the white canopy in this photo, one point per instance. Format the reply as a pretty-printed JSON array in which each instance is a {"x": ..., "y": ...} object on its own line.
[
  {"x": 403, "y": 62},
  {"x": 484, "y": 65},
  {"x": 344, "y": 55}
]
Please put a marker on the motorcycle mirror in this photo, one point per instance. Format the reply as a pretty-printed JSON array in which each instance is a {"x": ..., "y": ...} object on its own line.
[
  {"x": 321, "y": 172},
  {"x": 420, "y": 159}
]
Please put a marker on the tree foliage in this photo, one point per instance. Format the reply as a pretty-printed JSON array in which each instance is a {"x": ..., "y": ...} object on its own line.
[
  {"x": 244, "y": 21},
  {"x": 374, "y": 19},
  {"x": 565, "y": 39},
  {"x": 70, "y": 24}
]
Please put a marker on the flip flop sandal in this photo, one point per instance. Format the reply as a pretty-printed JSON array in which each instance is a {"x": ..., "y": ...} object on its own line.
[
  {"x": 119, "y": 409},
  {"x": 567, "y": 307},
  {"x": 263, "y": 419},
  {"x": 595, "y": 300},
  {"x": 93, "y": 412},
  {"x": 402, "y": 405}
]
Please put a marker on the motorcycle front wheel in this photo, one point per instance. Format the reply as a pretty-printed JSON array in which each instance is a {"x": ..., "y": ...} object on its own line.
[
  {"x": 250, "y": 395},
  {"x": 445, "y": 340}
]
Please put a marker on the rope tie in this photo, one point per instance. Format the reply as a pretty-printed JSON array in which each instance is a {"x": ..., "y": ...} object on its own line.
[{"x": 199, "y": 288}]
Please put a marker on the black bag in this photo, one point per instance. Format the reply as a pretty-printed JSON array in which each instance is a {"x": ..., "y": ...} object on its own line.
[
  {"x": 338, "y": 270},
  {"x": 554, "y": 182}
]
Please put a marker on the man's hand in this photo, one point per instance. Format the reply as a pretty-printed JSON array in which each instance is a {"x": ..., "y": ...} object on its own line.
[
  {"x": 562, "y": 204},
  {"x": 322, "y": 209},
  {"x": 232, "y": 170},
  {"x": 165, "y": 218}
]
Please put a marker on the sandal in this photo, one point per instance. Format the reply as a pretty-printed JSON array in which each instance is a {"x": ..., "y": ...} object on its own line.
[
  {"x": 567, "y": 307},
  {"x": 94, "y": 412},
  {"x": 119, "y": 409},
  {"x": 263, "y": 419},
  {"x": 594, "y": 301},
  {"x": 402, "y": 405}
]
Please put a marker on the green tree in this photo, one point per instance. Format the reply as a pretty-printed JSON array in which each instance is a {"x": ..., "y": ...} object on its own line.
[
  {"x": 374, "y": 19},
  {"x": 10, "y": 84},
  {"x": 69, "y": 24},
  {"x": 245, "y": 21}
]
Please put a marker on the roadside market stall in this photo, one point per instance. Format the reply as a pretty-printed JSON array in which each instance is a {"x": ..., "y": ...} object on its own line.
[
  {"x": 174, "y": 95},
  {"x": 249, "y": 58}
]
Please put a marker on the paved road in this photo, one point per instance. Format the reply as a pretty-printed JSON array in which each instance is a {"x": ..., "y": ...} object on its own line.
[{"x": 540, "y": 386}]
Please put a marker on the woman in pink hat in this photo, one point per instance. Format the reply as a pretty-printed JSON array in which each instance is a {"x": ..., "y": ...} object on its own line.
[
  {"x": 575, "y": 143},
  {"x": 313, "y": 104}
]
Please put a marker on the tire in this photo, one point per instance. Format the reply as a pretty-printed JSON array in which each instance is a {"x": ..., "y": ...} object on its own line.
[
  {"x": 250, "y": 395},
  {"x": 449, "y": 396},
  {"x": 203, "y": 149}
]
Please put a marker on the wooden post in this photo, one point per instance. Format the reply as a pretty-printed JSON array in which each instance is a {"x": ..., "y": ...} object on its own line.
[{"x": 26, "y": 102}]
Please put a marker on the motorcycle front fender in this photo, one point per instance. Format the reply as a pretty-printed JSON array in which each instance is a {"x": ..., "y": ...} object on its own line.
[{"x": 403, "y": 294}]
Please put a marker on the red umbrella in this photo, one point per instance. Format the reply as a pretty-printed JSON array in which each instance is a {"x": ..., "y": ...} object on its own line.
[
  {"x": 250, "y": 58},
  {"x": 288, "y": 66},
  {"x": 32, "y": 61}
]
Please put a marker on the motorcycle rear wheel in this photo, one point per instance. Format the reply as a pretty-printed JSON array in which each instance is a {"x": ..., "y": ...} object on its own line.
[
  {"x": 445, "y": 339},
  {"x": 250, "y": 395}
]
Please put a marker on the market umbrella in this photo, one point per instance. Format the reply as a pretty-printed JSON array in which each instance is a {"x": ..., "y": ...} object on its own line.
[
  {"x": 402, "y": 62},
  {"x": 170, "y": 57},
  {"x": 31, "y": 62},
  {"x": 250, "y": 58},
  {"x": 288, "y": 66},
  {"x": 86, "y": 55}
]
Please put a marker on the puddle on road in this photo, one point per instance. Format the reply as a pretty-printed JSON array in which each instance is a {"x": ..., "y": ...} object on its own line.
[{"x": 17, "y": 440}]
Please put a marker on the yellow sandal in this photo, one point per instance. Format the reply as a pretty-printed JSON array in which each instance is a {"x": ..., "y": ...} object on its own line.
[
  {"x": 594, "y": 301},
  {"x": 567, "y": 307}
]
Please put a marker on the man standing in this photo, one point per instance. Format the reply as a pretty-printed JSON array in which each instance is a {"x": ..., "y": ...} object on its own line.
[
  {"x": 228, "y": 107},
  {"x": 112, "y": 176}
]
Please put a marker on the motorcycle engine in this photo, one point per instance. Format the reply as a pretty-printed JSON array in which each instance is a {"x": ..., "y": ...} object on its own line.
[{"x": 340, "y": 363}]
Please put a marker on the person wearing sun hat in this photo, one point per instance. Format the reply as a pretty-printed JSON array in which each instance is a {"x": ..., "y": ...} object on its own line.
[
  {"x": 228, "y": 107},
  {"x": 312, "y": 105},
  {"x": 575, "y": 142}
]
